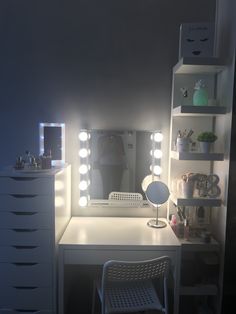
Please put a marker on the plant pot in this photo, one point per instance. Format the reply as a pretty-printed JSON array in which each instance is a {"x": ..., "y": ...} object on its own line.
[{"x": 205, "y": 147}]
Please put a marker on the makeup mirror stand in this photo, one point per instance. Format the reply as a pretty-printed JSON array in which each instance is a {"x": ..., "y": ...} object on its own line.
[
  {"x": 155, "y": 223},
  {"x": 157, "y": 193}
]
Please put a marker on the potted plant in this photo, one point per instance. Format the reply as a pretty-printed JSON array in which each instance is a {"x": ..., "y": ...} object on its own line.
[{"x": 206, "y": 139}]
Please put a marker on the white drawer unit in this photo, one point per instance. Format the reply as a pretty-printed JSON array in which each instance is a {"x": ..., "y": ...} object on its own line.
[{"x": 30, "y": 206}]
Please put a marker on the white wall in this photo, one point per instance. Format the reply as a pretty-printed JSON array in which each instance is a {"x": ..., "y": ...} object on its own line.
[{"x": 90, "y": 64}]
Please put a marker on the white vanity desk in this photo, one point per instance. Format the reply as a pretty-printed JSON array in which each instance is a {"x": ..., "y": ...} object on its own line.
[{"x": 94, "y": 240}]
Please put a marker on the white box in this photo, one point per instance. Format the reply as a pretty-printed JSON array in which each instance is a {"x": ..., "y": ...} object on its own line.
[{"x": 196, "y": 40}]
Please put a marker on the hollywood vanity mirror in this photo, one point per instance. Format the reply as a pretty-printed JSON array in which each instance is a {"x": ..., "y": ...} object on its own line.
[{"x": 116, "y": 161}]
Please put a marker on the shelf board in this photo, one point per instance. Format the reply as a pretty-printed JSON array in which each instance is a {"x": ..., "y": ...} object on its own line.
[
  {"x": 196, "y": 156},
  {"x": 196, "y": 201},
  {"x": 208, "y": 289},
  {"x": 191, "y": 65},
  {"x": 197, "y": 245},
  {"x": 198, "y": 110}
]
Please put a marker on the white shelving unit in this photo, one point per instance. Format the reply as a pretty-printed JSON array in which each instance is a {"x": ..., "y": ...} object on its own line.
[
  {"x": 184, "y": 115},
  {"x": 198, "y": 118},
  {"x": 198, "y": 246}
]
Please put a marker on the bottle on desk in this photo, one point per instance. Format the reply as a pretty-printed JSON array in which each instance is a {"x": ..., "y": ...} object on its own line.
[
  {"x": 186, "y": 229},
  {"x": 173, "y": 224}
]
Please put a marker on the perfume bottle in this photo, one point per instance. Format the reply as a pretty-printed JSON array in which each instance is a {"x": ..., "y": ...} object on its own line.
[{"x": 27, "y": 159}]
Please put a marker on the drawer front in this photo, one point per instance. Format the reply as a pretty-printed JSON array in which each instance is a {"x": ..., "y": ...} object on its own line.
[
  {"x": 26, "y": 275},
  {"x": 23, "y": 220},
  {"x": 26, "y": 185},
  {"x": 24, "y": 311},
  {"x": 27, "y": 299},
  {"x": 26, "y": 237},
  {"x": 26, "y": 254},
  {"x": 100, "y": 256},
  {"x": 16, "y": 202}
]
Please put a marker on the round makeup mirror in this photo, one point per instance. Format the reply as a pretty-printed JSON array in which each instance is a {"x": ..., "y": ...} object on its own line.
[
  {"x": 147, "y": 180},
  {"x": 157, "y": 193}
]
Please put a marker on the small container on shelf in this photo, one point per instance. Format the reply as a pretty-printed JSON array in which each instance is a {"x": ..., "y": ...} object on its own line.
[{"x": 186, "y": 229}]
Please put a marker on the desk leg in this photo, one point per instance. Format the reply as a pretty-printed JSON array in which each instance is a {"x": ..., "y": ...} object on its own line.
[
  {"x": 177, "y": 282},
  {"x": 61, "y": 281}
]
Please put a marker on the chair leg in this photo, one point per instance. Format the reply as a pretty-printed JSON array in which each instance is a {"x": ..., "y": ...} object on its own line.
[
  {"x": 94, "y": 298},
  {"x": 165, "y": 296}
]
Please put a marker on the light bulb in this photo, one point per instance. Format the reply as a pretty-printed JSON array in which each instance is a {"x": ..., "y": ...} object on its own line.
[
  {"x": 83, "y": 201},
  {"x": 158, "y": 137},
  {"x": 83, "y": 169},
  {"x": 157, "y": 153},
  {"x": 157, "y": 170},
  {"x": 83, "y": 136},
  {"x": 83, "y": 152},
  {"x": 83, "y": 185}
]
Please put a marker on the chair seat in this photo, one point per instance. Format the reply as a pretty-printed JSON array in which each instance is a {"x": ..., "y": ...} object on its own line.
[
  {"x": 127, "y": 286},
  {"x": 133, "y": 297}
]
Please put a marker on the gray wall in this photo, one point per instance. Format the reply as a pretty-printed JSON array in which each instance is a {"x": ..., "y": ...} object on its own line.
[
  {"x": 224, "y": 219},
  {"x": 96, "y": 64}
]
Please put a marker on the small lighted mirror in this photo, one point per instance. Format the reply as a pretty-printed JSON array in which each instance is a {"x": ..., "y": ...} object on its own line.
[{"x": 52, "y": 141}]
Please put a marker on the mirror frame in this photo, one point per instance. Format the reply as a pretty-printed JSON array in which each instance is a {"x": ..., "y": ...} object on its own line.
[
  {"x": 84, "y": 200},
  {"x": 55, "y": 162}
]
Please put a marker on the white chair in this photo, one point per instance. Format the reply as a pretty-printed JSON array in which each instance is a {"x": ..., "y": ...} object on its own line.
[
  {"x": 125, "y": 198},
  {"x": 127, "y": 286}
]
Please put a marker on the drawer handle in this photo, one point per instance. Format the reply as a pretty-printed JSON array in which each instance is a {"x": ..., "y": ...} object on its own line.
[
  {"x": 24, "y": 264},
  {"x": 24, "y": 230},
  {"x": 23, "y": 213},
  {"x": 23, "y": 195},
  {"x": 23, "y": 178},
  {"x": 26, "y": 311},
  {"x": 24, "y": 247},
  {"x": 25, "y": 288}
]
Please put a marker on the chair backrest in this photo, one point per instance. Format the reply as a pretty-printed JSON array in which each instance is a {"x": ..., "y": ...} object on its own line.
[
  {"x": 127, "y": 271},
  {"x": 125, "y": 198}
]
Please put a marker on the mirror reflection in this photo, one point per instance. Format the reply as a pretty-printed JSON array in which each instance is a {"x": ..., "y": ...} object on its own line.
[{"x": 119, "y": 161}]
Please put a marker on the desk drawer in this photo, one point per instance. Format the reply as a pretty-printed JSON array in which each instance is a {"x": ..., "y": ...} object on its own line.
[
  {"x": 26, "y": 185},
  {"x": 26, "y": 254},
  {"x": 24, "y": 220},
  {"x": 27, "y": 299},
  {"x": 98, "y": 257},
  {"x": 25, "y": 275},
  {"x": 25, "y": 237},
  {"x": 16, "y": 202}
]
